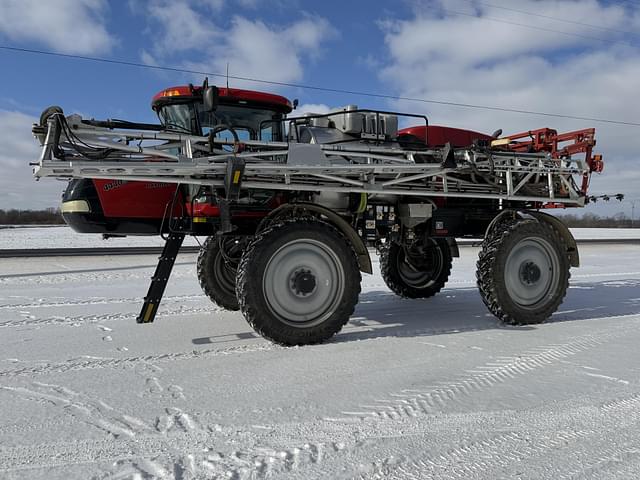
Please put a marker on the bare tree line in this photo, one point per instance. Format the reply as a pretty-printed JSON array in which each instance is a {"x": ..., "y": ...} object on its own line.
[
  {"x": 52, "y": 216},
  {"x": 591, "y": 220}
]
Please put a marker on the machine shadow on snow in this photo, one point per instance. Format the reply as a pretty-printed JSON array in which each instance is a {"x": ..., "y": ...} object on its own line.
[
  {"x": 383, "y": 314},
  {"x": 461, "y": 310}
]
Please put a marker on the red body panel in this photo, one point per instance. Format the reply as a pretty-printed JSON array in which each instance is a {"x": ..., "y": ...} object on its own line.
[
  {"x": 233, "y": 95},
  {"x": 437, "y": 136},
  {"x": 212, "y": 211},
  {"x": 121, "y": 199},
  {"x": 209, "y": 210},
  {"x": 203, "y": 210}
]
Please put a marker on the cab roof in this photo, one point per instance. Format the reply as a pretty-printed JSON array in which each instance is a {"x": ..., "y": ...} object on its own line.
[{"x": 227, "y": 96}]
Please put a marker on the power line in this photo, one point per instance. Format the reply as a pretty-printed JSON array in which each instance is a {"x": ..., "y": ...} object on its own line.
[
  {"x": 317, "y": 88},
  {"x": 533, "y": 27},
  {"x": 558, "y": 19}
]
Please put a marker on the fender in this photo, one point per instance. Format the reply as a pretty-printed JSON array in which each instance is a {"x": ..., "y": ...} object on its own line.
[
  {"x": 572, "y": 246},
  {"x": 497, "y": 218},
  {"x": 362, "y": 253}
]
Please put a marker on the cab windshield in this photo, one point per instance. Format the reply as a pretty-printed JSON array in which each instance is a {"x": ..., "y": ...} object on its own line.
[{"x": 250, "y": 123}]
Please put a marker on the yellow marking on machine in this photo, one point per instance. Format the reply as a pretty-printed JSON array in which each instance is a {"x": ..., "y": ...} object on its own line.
[
  {"x": 147, "y": 314},
  {"x": 75, "y": 206},
  {"x": 500, "y": 141}
]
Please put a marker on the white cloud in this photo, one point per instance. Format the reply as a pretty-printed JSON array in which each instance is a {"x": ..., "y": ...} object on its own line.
[
  {"x": 442, "y": 56},
  {"x": 317, "y": 108},
  {"x": 438, "y": 32},
  {"x": 182, "y": 27},
  {"x": 147, "y": 58},
  {"x": 18, "y": 188},
  {"x": 68, "y": 26},
  {"x": 252, "y": 48}
]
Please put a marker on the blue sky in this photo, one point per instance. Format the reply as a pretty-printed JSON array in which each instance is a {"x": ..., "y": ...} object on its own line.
[
  {"x": 460, "y": 50},
  {"x": 104, "y": 90}
]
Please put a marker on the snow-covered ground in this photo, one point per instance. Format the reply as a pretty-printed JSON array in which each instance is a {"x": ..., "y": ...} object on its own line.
[
  {"x": 605, "y": 233},
  {"x": 64, "y": 237},
  {"x": 409, "y": 389}
]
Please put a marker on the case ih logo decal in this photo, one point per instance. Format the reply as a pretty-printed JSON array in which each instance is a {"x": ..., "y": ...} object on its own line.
[{"x": 113, "y": 185}]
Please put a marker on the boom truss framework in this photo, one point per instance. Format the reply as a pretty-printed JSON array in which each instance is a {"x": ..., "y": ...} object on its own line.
[{"x": 72, "y": 148}]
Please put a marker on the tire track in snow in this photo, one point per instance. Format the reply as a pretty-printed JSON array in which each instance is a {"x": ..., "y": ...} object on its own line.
[
  {"x": 192, "y": 454},
  {"x": 632, "y": 404},
  {"x": 606, "y": 458},
  {"x": 264, "y": 463},
  {"x": 158, "y": 456},
  {"x": 60, "y": 454},
  {"x": 476, "y": 458},
  {"x": 28, "y": 321},
  {"x": 517, "y": 446},
  {"x": 128, "y": 434},
  {"x": 260, "y": 462},
  {"x": 412, "y": 403},
  {"x": 484, "y": 452},
  {"x": 97, "y": 301},
  {"x": 479, "y": 457},
  {"x": 133, "y": 362},
  {"x": 28, "y": 427},
  {"x": 174, "y": 442},
  {"x": 79, "y": 406},
  {"x": 49, "y": 455},
  {"x": 87, "y": 278},
  {"x": 616, "y": 415}
]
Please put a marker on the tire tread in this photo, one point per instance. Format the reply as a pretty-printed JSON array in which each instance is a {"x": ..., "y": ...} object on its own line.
[
  {"x": 492, "y": 289},
  {"x": 287, "y": 335},
  {"x": 206, "y": 257}
]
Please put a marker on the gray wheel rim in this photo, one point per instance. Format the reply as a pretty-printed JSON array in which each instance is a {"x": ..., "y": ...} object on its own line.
[
  {"x": 303, "y": 282},
  {"x": 416, "y": 278},
  {"x": 531, "y": 272}
]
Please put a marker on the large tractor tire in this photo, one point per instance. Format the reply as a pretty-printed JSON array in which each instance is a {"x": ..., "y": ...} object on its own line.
[
  {"x": 217, "y": 266},
  {"x": 298, "y": 282},
  {"x": 523, "y": 271},
  {"x": 416, "y": 272}
]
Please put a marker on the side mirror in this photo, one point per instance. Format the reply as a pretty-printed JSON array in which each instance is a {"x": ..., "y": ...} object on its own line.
[{"x": 210, "y": 99}]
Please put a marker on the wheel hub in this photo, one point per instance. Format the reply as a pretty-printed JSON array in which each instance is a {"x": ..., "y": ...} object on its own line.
[
  {"x": 530, "y": 273},
  {"x": 422, "y": 269},
  {"x": 303, "y": 282}
]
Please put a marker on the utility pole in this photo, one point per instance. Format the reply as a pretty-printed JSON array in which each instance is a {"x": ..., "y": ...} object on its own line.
[{"x": 633, "y": 210}]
